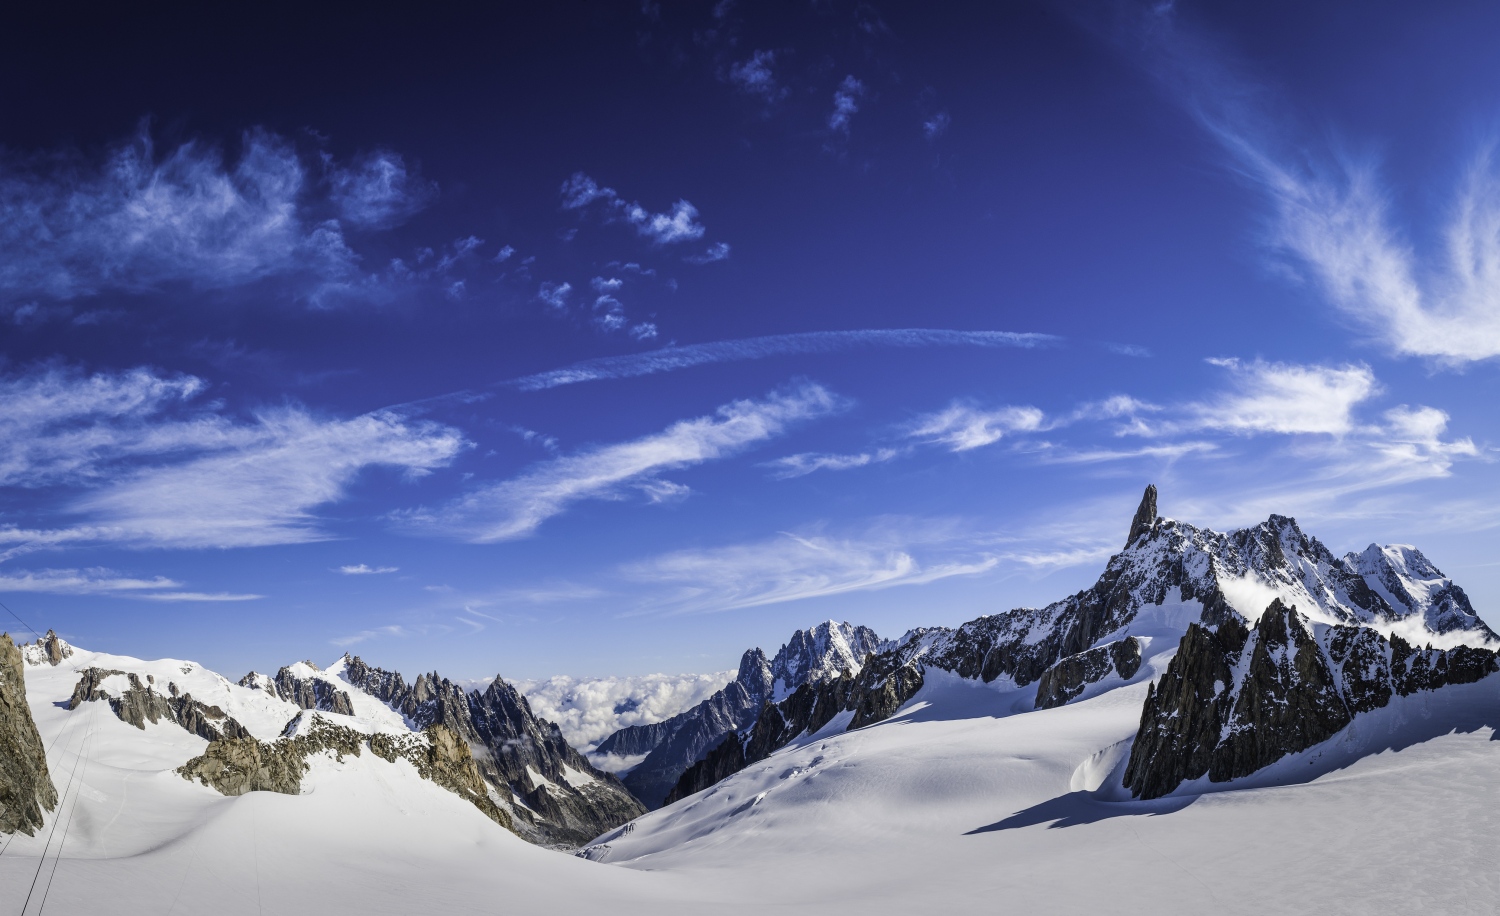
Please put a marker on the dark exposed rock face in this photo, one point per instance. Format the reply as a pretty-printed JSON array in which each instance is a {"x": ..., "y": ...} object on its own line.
[
  {"x": 305, "y": 693},
  {"x": 721, "y": 763},
  {"x": 26, "y": 788},
  {"x": 688, "y": 736},
  {"x": 1145, "y": 516},
  {"x": 1066, "y": 680},
  {"x": 234, "y": 766},
  {"x": 561, "y": 799},
  {"x": 1235, "y": 700},
  {"x": 139, "y": 703}
]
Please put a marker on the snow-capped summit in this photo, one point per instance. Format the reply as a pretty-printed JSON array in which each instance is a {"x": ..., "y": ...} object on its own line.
[
  {"x": 819, "y": 654},
  {"x": 1415, "y": 589}
]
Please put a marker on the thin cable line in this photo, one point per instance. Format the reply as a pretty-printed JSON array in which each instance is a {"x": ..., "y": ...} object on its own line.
[
  {"x": 72, "y": 815},
  {"x": 43, "y": 860}
]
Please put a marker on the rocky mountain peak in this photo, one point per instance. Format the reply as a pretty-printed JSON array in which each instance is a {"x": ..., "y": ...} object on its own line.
[
  {"x": 755, "y": 673},
  {"x": 1145, "y": 515},
  {"x": 819, "y": 654}
]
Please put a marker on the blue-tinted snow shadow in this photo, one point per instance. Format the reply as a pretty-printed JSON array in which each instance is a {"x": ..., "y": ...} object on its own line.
[{"x": 1077, "y": 808}]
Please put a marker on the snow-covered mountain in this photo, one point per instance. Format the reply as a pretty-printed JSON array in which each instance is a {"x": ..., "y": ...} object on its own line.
[
  {"x": 486, "y": 746},
  {"x": 653, "y": 757},
  {"x": 1172, "y": 579}
]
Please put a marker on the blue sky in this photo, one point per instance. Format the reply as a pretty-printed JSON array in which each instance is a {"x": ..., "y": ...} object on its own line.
[{"x": 618, "y": 338}]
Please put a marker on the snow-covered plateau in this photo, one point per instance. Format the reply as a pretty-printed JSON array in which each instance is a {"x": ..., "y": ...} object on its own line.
[{"x": 986, "y": 769}]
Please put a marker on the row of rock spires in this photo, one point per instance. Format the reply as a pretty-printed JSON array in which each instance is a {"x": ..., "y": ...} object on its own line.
[{"x": 304, "y": 693}]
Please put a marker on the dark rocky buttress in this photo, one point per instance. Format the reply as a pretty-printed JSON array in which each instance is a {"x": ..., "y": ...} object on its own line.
[
  {"x": 1223, "y": 712},
  {"x": 26, "y": 788}
]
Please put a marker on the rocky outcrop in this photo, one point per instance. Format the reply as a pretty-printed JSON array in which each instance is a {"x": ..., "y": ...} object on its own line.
[
  {"x": 721, "y": 763},
  {"x": 302, "y": 692},
  {"x": 139, "y": 703},
  {"x": 556, "y": 796},
  {"x": 1066, "y": 680},
  {"x": 26, "y": 788},
  {"x": 1236, "y": 699},
  {"x": 235, "y": 766},
  {"x": 47, "y": 650}
]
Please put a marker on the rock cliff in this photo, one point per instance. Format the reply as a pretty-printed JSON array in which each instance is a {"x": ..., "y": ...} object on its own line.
[
  {"x": 1236, "y": 699},
  {"x": 26, "y": 789}
]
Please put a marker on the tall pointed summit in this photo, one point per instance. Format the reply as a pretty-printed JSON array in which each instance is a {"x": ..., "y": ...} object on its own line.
[{"x": 1145, "y": 515}]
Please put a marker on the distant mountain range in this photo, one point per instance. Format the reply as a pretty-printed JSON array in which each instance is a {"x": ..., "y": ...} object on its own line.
[{"x": 1257, "y": 643}]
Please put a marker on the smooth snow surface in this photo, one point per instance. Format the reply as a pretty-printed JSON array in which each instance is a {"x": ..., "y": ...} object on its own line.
[{"x": 966, "y": 801}]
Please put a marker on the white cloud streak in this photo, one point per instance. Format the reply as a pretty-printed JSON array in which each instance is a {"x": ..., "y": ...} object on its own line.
[
  {"x": 808, "y": 462},
  {"x": 672, "y": 359},
  {"x": 99, "y": 581},
  {"x": 790, "y": 568},
  {"x": 263, "y": 490},
  {"x": 515, "y": 508},
  {"x": 157, "y": 472},
  {"x": 962, "y": 427},
  {"x": 363, "y": 569}
]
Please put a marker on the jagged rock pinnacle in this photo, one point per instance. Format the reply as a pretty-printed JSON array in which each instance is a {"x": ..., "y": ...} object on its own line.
[{"x": 1145, "y": 516}]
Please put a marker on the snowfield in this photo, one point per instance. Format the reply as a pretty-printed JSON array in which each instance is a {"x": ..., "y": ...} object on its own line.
[{"x": 965, "y": 801}]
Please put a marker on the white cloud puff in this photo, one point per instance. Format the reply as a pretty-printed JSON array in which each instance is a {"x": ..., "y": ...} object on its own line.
[
  {"x": 679, "y": 224},
  {"x": 143, "y": 218}
]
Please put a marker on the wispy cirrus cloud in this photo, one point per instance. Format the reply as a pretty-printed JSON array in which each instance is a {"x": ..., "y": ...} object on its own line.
[
  {"x": 792, "y": 567},
  {"x": 364, "y": 569},
  {"x": 515, "y": 508},
  {"x": 141, "y": 218},
  {"x": 1333, "y": 213},
  {"x": 147, "y": 465},
  {"x": 99, "y": 581},
  {"x": 805, "y": 463},
  {"x": 672, "y": 359},
  {"x": 961, "y": 427}
]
